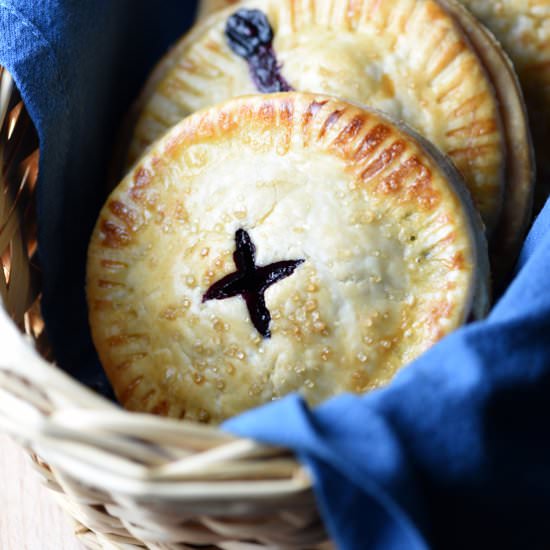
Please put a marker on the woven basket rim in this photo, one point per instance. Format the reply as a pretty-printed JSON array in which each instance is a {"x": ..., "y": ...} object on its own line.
[{"x": 73, "y": 405}]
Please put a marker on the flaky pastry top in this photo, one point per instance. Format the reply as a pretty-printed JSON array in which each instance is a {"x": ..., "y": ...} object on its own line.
[{"x": 390, "y": 248}]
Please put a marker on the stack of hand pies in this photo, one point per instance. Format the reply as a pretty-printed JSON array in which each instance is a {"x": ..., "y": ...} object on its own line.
[{"x": 311, "y": 186}]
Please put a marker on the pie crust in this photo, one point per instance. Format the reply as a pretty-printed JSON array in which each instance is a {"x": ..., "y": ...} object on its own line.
[
  {"x": 517, "y": 210},
  {"x": 391, "y": 251},
  {"x": 407, "y": 58},
  {"x": 523, "y": 28}
]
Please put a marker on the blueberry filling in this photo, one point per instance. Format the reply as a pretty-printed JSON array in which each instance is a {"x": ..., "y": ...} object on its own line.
[
  {"x": 251, "y": 281},
  {"x": 250, "y": 36}
]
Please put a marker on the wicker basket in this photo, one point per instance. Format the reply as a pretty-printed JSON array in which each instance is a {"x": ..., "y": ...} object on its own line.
[{"x": 128, "y": 480}]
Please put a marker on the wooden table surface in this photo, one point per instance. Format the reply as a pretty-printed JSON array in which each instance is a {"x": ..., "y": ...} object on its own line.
[{"x": 29, "y": 517}]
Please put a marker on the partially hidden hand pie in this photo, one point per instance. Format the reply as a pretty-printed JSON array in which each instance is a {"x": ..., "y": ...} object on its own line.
[
  {"x": 279, "y": 243},
  {"x": 408, "y": 58},
  {"x": 515, "y": 217},
  {"x": 523, "y": 28}
]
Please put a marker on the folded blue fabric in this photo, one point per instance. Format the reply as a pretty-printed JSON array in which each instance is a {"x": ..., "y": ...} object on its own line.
[{"x": 455, "y": 453}]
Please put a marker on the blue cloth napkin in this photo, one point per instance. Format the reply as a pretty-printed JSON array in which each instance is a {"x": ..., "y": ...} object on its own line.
[{"x": 455, "y": 453}]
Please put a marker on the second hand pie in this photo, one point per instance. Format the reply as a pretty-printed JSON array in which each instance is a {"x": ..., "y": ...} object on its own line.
[
  {"x": 523, "y": 28},
  {"x": 279, "y": 243},
  {"x": 407, "y": 58}
]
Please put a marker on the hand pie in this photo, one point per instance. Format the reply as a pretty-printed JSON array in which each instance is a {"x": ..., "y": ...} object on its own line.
[
  {"x": 520, "y": 165},
  {"x": 523, "y": 28},
  {"x": 408, "y": 58},
  {"x": 279, "y": 243}
]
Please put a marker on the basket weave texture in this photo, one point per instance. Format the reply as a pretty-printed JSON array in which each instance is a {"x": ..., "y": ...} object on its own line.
[{"x": 129, "y": 480}]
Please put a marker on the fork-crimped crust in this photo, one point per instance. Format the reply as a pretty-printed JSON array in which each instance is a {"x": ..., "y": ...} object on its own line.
[{"x": 393, "y": 250}]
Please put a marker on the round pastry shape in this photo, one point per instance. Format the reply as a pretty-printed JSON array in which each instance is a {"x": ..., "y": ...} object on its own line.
[
  {"x": 408, "y": 58},
  {"x": 523, "y": 28},
  {"x": 279, "y": 243}
]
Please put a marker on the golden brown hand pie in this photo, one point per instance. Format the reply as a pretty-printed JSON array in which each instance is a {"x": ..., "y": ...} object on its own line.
[
  {"x": 279, "y": 243},
  {"x": 523, "y": 28}
]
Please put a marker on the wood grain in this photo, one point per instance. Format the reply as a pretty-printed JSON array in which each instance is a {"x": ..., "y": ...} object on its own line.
[{"x": 29, "y": 518}]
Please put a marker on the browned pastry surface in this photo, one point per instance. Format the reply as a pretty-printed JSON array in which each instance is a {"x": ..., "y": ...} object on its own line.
[{"x": 388, "y": 251}]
